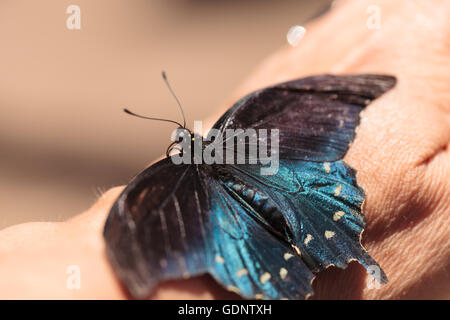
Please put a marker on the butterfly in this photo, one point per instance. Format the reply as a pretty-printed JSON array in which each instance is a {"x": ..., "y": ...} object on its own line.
[{"x": 259, "y": 235}]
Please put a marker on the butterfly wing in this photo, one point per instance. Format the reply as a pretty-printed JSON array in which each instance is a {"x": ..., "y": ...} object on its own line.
[
  {"x": 316, "y": 116},
  {"x": 158, "y": 228},
  {"x": 321, "y": 204},
  {"x": 175, "y": 221},
  {"x": 258, "y": 264},
  {"x": 315, "y": 193}
]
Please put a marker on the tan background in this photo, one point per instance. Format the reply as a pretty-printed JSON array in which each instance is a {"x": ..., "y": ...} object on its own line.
[{"x": 63, "y": 137}]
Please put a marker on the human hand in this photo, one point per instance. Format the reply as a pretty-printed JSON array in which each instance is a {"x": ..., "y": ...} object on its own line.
[{"x": 401, "y": 153}]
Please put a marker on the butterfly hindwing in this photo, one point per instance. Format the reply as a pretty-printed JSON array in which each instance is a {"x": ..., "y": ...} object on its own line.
[
  {"x": 324, "y": 216},
  {"x": 257, "y": 265}
]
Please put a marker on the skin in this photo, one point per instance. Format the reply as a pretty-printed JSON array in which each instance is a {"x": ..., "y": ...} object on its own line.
[{"x": 401, "y": 153}]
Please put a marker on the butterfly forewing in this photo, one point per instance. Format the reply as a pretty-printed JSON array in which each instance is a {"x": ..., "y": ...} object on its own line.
[
  {"x": 316, "y": 116},
  {"x": 159, "y": 227}
]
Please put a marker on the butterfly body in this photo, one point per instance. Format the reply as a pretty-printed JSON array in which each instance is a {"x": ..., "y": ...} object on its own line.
[{"x": 259, "y": 235}]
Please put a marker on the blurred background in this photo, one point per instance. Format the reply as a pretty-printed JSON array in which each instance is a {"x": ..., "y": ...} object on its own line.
[{"x": 63, "y": 137}]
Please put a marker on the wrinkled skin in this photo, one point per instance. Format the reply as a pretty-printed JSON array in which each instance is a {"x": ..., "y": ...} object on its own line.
[{"x": 401, "y": 153}]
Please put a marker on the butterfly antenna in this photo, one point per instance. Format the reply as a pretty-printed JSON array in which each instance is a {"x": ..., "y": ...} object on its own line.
[
  {"x": 149, "y": 118},
  {"x": 173, "y": 94}
]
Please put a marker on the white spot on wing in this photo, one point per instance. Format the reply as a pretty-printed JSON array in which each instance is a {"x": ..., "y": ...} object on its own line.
[
  {"x": 265, "y": 277},
  {"x": 337, "y": 191},
  {"x": 241, "y": 272},
  {"x": 326, "y": 166},
  {"x": 287, "y": 256},
  {"x": 233, "y": 289},
  {"x": 308, "y": 239},
  {"x": 283, "y": 273},
  {"x": 219, "y": 259},
  {"x": 329, "y": 234},
  {"x": 297, "y": 250},
  {"x": 338, "y": 215}
]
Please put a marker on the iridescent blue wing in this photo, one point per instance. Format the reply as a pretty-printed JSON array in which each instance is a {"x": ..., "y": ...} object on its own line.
[
  {"x": 176, "y": 221},
  {"x": 313, "y": 200},
  {"x": 316, "y": 116},
  {"x": 258, "y": 264},
  {"x": 322, "y": 207}
]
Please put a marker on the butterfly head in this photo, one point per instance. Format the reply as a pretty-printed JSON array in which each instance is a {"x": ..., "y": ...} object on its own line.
[{"x": 184, "y": 141}]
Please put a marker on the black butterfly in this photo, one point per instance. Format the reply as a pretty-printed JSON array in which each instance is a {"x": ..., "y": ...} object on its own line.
[{"x": 261, "y": 236}]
